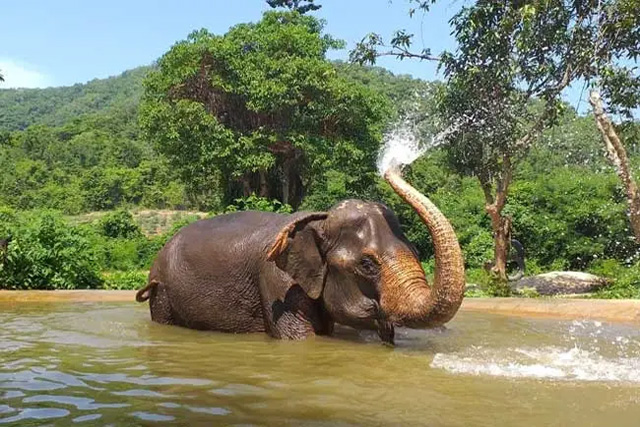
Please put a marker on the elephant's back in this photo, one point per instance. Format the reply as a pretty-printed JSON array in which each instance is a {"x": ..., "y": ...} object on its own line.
[
  {"x": 228, "y": 239},
  {"x": 210, "y": 267},
  {"x": 236, "y": 224}
]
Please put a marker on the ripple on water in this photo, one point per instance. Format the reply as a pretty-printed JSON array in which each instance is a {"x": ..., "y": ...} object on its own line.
[
  {"x": 85, "y": 418},
  {"x": 239, "y": 389},
  {"x": 209, "y": 410},
  {"x": 141, "y": 393},
  {"x": 11, "y": 346},
  {"x": 81, "y": 403},
  {"x": 39, "y": 379},
  {"x": 36, "y": 414},
  {"x": 149, "y": 416},
  {"x": 5, "y": 409},
  {"x": 148, "y": 380}
]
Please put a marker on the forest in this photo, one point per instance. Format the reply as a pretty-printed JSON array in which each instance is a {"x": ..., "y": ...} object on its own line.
[{"x": 259, "y": 118}]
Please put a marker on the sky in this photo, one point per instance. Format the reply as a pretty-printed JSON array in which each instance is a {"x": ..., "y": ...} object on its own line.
[{"x": 59, "y": 43}]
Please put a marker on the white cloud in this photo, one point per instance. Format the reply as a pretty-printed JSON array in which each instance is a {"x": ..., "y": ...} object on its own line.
[{"x": 18, "y": 74}]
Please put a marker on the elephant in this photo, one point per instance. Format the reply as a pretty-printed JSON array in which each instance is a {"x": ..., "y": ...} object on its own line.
[{"x": 295, "y": 276}]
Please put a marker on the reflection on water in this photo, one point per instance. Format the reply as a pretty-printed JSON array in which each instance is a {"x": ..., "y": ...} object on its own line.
[{"x": 87, "y": 364}]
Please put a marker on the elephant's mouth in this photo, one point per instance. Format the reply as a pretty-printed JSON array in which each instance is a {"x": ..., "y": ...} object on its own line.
[
  {"x": 382, "y": 324},
  {"x": 386, "y": 332},
  {"x": 373, "y": 317}
]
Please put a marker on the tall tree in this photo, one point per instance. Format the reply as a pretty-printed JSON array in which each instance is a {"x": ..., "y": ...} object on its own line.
[{"x": 261, "y": 110}]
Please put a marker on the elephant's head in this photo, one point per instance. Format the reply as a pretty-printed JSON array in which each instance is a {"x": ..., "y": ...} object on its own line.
[{"x": 356, "y": 258}]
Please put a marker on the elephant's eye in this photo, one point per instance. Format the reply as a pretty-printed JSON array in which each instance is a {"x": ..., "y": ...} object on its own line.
[{"x": 368, "y": 266}]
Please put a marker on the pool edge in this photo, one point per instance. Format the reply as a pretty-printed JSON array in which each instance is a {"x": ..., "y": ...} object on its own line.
[
  {"x": 625, "y": 310},
  {"x": 622, "y": 310}
]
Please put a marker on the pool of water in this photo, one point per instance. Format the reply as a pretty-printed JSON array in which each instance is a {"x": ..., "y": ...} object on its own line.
[{"x": 107, "y": 363}]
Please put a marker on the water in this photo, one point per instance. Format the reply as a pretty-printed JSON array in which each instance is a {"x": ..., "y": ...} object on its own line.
[
  {"x": 409, "y": 139},
  {"x": 107, "y": 363}
]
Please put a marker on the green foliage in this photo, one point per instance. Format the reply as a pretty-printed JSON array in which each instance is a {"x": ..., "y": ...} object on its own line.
[
  {"x": 46, "y": 253},
  {"x": 127, "y": 280},
  {"x": 626, "y": 280},
  {"x": 571, "y": 214},
  {"x": 120, "y": 224},
  {"x": 496, "y": 287},
  {"x": 20, "y": 108},
  {"x": 261, "y": 110},
  {"x": 92, "y": 163},
  {"x": 255, "y": 203},
  {"x": 528, "y": 293},
  {"x": 121, "y": 254}
]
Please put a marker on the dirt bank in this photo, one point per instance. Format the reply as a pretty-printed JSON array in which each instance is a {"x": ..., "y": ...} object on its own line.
[{"x": 608, "y": 310}]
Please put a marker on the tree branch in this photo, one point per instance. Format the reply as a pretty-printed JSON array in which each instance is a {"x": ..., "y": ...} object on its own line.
[{"x": 404, "y": 53}]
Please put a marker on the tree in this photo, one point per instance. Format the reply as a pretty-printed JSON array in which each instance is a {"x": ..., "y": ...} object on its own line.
[
  {"x": 597, "y": 41},
  {"x": 496, "y": 101},
  {"x": 295, "y": 5},
  {"x": 261, "y": 110}
]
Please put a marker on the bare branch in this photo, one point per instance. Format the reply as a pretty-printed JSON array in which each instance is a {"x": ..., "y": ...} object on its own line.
[{"x": 404, "y": 53}]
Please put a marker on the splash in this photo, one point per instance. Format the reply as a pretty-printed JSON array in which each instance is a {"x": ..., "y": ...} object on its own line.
[
  {"x": 591, "y": 353},
  {"x": 550, "y": 362},
  {"x": 410, "y": 139},
  {"x": 400, "y": 146}
]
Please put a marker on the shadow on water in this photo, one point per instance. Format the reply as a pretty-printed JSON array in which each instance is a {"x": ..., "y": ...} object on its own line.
[{"x": 107, "y": 363}]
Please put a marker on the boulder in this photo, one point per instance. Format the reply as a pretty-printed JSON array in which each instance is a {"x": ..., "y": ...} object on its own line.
[{"x": 561, "y": 283}]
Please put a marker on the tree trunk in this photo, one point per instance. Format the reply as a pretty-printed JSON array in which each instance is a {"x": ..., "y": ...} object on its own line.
[
  {"x": 500, "y": 225},
  {"x": 617, "y": 154},
  {"x": 264, "y": 185},
  {"x": 286, "y": 172},
  {"x": 246, "y": 185}
]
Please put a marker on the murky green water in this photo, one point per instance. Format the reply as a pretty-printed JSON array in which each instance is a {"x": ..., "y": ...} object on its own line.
[{"x": 99, "y": 364}]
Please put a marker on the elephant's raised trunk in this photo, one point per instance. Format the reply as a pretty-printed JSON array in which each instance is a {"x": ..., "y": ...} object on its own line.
[{"x": 433, "y": 306}]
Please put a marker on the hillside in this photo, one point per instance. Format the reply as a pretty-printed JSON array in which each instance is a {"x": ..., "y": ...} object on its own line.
[
  {"x": 56, "y": 106},
  {"x": 20, "y": 108}
]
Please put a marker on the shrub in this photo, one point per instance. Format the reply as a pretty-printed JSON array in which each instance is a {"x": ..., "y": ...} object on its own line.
[
  {"x": 129, "y": 280},
  {"x": 47, "y": 253},
  {"x": 255, "y": 203},
  {"x": 122, "y": 254},
  {"x": 626, "y": 280},
  {"x": 120, "y": 224}
]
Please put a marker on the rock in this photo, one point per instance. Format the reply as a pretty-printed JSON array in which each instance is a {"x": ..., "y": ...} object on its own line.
[{"x": 560, "y": 283}]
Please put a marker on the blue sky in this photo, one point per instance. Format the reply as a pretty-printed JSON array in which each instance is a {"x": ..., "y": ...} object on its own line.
[{"x": 62, "y": 42}]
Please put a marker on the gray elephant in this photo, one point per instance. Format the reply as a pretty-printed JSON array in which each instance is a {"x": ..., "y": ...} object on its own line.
[{"x": 294, "y": 276}]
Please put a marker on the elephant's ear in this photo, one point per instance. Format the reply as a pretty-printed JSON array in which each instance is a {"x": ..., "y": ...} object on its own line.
[{"x": 297, "y": 251}]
